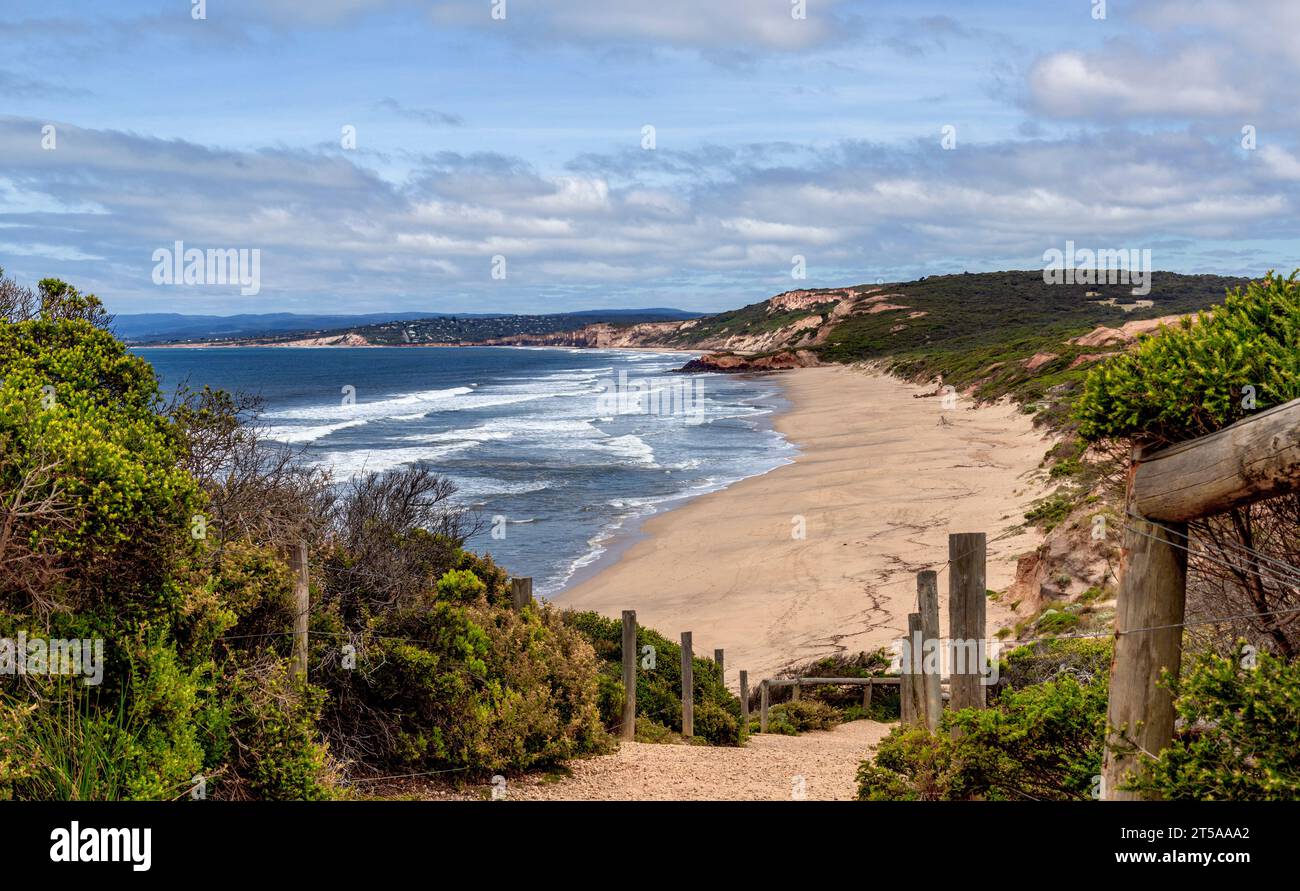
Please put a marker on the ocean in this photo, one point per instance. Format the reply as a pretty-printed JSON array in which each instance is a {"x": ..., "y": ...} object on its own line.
[{"x": 560, "y": 452}]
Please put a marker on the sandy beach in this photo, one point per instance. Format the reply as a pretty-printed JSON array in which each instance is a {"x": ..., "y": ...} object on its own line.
[{"x": 881, "y": 480}]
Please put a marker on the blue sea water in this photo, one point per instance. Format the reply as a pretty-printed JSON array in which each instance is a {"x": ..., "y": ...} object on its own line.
[{"x": 552, "y": 448}]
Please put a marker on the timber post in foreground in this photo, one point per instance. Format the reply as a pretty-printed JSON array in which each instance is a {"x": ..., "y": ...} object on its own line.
[
  {"x": 722, "y": 672},
  {"x": 302, "y": 607},
  {"x": 688, "y": 686},
  {"x": 967, "y": 552},
  {"x": 629, "y": 674},
  {"x": 927, "y": 604},
  {"x": 521, "y": 592},
  {"x": 762, "y": 707},
  {"x": 744, "y": 701},
  {"x": 1253, "y": 459}
]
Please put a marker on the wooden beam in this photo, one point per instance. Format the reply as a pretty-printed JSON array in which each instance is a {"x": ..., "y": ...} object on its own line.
[
  {"x": 887, "y": 680},
  {"x": 1257, "y": 457},
  {"x": 629, "y": 674}
]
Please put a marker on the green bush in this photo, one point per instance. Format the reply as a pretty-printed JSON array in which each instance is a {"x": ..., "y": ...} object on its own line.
[
  {"x": 1040, "y": 743},
  {"x": 1240, "y": 733},
  {"x": 716, "y": 725},
  {"x": 450, "y": 681},
  {"x": 1048, "y": 513},
  {"x": 1086, "y": 659},
  {"x": 803, "y": 714},
  {"x": 1189, "y": 380}
]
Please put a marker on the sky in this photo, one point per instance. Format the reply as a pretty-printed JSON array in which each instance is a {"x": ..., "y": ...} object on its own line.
[{"x": 547, "y": 155}]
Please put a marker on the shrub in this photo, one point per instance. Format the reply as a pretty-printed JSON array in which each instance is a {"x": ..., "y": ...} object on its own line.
[
  {"x": 274, "y": 750},
  {"x": 1085, "y": 659},
  {"x": 1240, "y": 733},
  {"x": 716, "y": 725},
  {"x": 1040, "y": 743},
  {"x": 1188, "y": 380},
  {"x": 451, "y": 681},
  {"x": 805, "y": 714},
  {"x": 1050, "y": 512}
]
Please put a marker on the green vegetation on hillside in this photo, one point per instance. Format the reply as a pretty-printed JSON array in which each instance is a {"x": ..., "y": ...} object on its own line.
[{"x": 1193, "y": 379}]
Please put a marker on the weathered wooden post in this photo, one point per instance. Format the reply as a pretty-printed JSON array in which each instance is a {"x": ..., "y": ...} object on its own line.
[
  {"x": 1152, "y": 594},
  {"x": 796, "y": 690},
  {"x": 722, "y": 672},
  {"x": 967, "y": 593},
  {"x": 927, "y": 603},
  {"x": 629, "y": 674},
  {"x": 688, "y": 686},
  {"x": 1253, "y": 459},
  {"x": 302, "y": 608},
  {"x": 866, "y": 693},
  {"x": 762, "y": 707},
  {"x": 744, "y": 700},
  {"x": 911, "y": 693},
  {"x": 521, "y": 592}
]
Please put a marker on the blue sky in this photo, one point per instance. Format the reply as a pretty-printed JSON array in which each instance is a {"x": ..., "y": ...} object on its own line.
[{"x": 522, "y": 138}]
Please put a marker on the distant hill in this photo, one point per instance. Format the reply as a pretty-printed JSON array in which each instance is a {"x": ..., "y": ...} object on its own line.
[
  {"x": 951, "y": 313},
  {"x": 178, "y": 327}
]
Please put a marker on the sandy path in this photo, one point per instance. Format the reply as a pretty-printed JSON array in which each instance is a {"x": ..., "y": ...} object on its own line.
[
  {"x": 882, "y": 479},
  {"x": 764, "y": 770}
]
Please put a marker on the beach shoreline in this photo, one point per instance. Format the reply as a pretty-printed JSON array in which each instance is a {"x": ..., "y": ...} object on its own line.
[{"x": 884, "y": 472}]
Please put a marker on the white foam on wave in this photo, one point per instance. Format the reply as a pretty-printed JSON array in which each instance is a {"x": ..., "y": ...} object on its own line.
[
  {"x": 351, "y": 463},
  {"x": 629, "y": 446},
  {"x": 482, "y": 487},
  {"x": 468, "y": 434},
  {"x": 405, "y": 405},
  {"x": 291, "y": 435}
]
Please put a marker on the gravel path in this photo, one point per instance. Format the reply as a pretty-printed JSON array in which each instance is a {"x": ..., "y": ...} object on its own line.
[{"x": 766, "y": 769}]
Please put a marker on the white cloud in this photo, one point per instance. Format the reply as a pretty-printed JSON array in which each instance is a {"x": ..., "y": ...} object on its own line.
[
  {"x": 1281, "y": 163},
  {"x": 1118, "y": 84}
]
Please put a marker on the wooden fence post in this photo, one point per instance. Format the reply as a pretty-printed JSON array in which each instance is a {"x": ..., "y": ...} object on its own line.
[
  {"x": 927, "y": 603},
  {"x": 866, "y": 694},
  {"x": 762, "y": 707},
  {"x": 722, "y": 672},
  {"x": 521, "y": 592},
  {"x": 688, "y": 686},
  {"x": 629, "y": 674},
  {"x": 1152, "y": 592},
  {"x": 967, "y": 593},
  {"x": 911, "y": 694},
  {"x": 302, "y": 608},
  {"x": 796, "y": 691},
  {"x": 744, "y": 700}
]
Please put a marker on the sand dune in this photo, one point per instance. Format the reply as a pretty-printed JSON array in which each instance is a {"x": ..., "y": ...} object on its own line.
[{"x": 882, "y": 479}]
